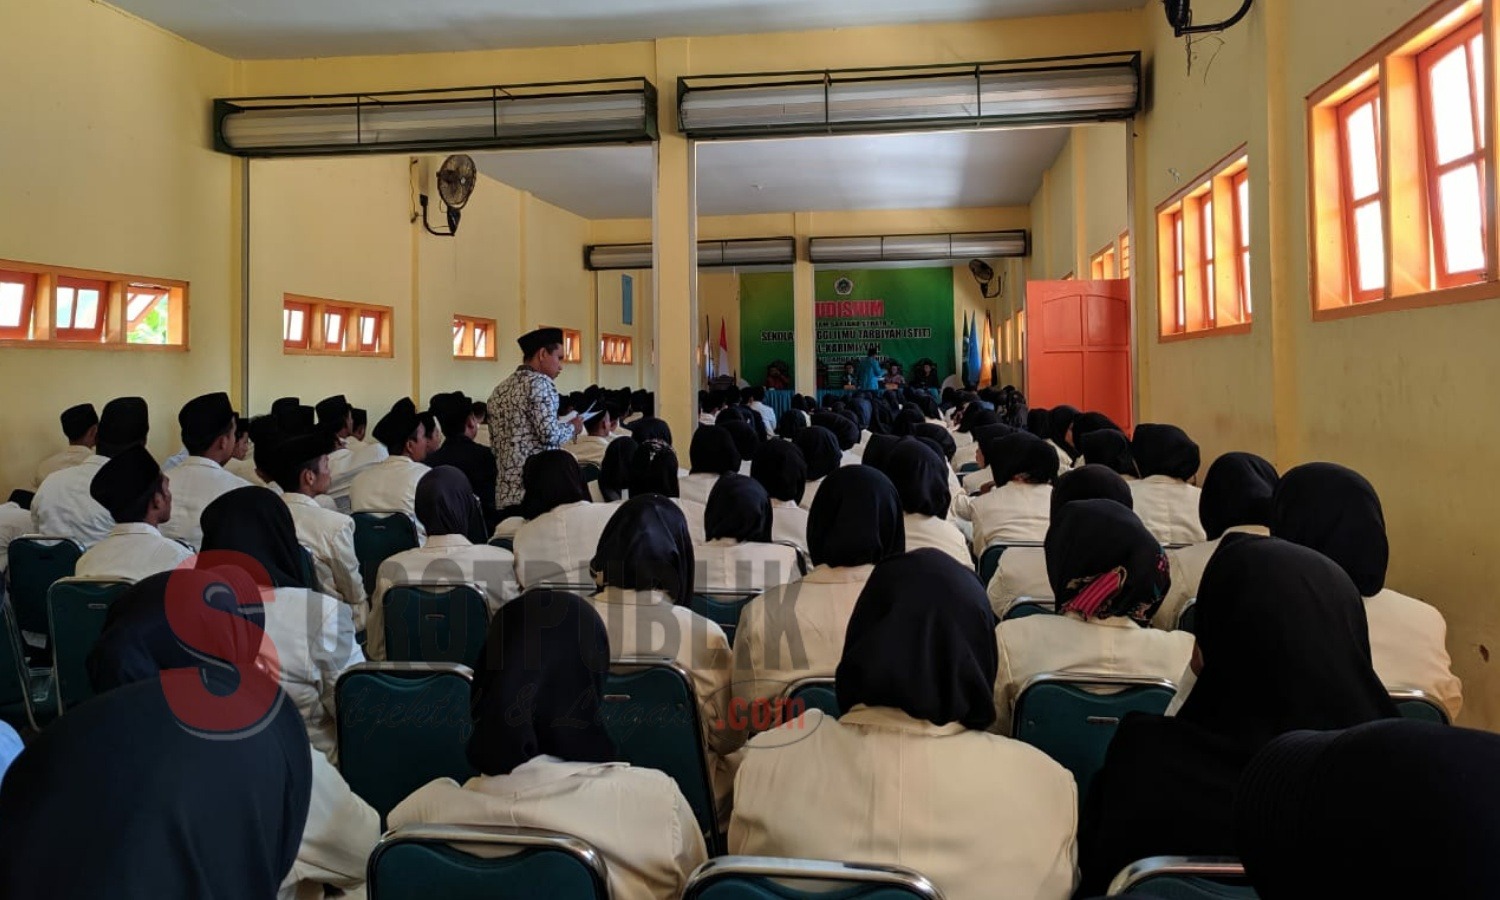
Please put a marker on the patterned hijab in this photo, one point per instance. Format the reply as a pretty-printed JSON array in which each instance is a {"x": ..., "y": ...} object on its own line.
[{"x": 1103, "y": 563}]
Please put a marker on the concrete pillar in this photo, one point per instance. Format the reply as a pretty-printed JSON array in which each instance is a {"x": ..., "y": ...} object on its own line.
[
  {"x": 674, "y": 378},
  {"x": 804, "y": 322}
]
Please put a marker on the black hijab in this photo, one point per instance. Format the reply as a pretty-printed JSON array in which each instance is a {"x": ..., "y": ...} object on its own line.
[
  {"x": 747, "y": 439},
  {"x": 922, "y": 640},
  {"x": 907, "y": 420},
  {"x": 651, "y": 429},
  {"x": 791, "y": 424},
  {"x": 1102, "y": 563},
  {"x": 940, "y": 436},
  {"x": 1089, "y": 422},
  {"x": 254, "y": 522},
  {"x": 878, "y": 451},
  {"x": 1109, "y": 448},
  {"x": 993, "y": 431},
  {"x": 781, "y": 469},
  {"x": 1091, "y": 483},
  {"x": 1165, "y": 450},
  {"x": 1336, "y": 512},
  {"x": 842, "y": 428},
  {"x": 978, "y": 415},
  {"x": 653, "y": 470},
  {"x": 820, "y": 448},
  {"x": 551, "y": 479},
  {"x": 540, "y": 685},
  {"x": 1059, "y": 420},
  {"x": 1236, "y": 491},
  {"x": 614, "y": 469},
  {"x": 1393, "y": 808},
  {"x": 738, "y": 508},
  {"x": 856, "y": 519},
  {"x": 445, "y": 504},
  {"x": 646, "y": 546},
  {"x": 1020, "y": 454},
  {"x": 713, "y": 451},
  {"x": 1037, "y": 421},
  {"x": 921, "y": 479}
]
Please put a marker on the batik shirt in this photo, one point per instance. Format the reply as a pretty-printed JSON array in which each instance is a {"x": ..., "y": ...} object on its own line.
[{"x": 523, "y": 422}]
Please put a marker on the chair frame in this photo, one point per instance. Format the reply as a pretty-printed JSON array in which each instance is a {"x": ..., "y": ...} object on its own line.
[
  {"x": 1086, "y": 680},
  {"x": 402, "y": 669},
  {"x": 495, "y": 835},
  {"x": 706, "y": 874},
  {"x": 1182, "y": 613},
  {"x": 10, "y": 570},
  {"x": 1046, "y": 604},
  {"x": 433, "y": 586},
  {"x": 1141, "y": 871},
  {"x": 1410, "y": 695},
  {"x": 52, "y": 627},
  {"x": 23, "y": 671}
]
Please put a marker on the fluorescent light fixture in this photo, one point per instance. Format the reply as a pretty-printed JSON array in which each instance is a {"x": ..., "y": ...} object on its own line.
[
  {"x": 920, "y": 247},
  {"x": 711, "y": 254},
  {"x": 538, "y": 115},
  {"x": 1056, "y": 91}
]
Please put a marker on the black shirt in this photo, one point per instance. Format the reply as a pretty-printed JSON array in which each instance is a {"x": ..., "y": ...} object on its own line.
[{"x": 478, "y": 465}]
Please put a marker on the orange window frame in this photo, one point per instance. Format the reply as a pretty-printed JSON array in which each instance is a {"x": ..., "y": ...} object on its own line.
[
  {"x": 28, "y": 281},
  {"x": 1463, "y": 39},
  {"x": 616, "y": 350},
  {"x": 1125, "y": 254},
  {"x": 378, "y": 317},
  {"x": 1352, "y": 204},
  {"x": 1240, "y": 192},
  {"x": 70, "y": 331},
  {"x": 473, "y": 337},
  {"x": 345, "y": 316},
  {"x": 288, "y": 307},
  {"x": 1178, "y": 230}
]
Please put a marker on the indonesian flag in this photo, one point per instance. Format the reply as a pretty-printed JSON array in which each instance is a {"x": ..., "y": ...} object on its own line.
[{"x": 723, "y": 347}]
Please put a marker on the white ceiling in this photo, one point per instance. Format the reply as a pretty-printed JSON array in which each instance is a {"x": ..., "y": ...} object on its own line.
[
  {"x": 279, "y": 29},
  {"x": 936, "y": 170}
]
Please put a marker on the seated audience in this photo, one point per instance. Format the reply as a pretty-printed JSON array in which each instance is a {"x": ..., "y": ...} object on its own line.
[
  {"x": 1336, "y": 512},
  {"x": 1109, "y": 448},
  {"x": 782, "y": 470},
  {"x": 545, "y": 759},
  {"x": 1166, "y": 498},
  {"x": 1059, "y": 427},
  {"x": 134, "y": 490},
  {"x": 653, "y": 470},
  {"x": 391, "y": 484},
  {"x": 1281, "y": 646},
  {"x": 614, "y": 471},
  {"x": 450, "y": 515},
  {"x": 921, "y": 479},
  {"x": 562, "y": 528},
  {"x": 820, "y": 449},
  {"x": 455, "y": 415},
  {"x": 713, "y": 453},
  {"x": 1015, "y": 510},
  {"x": 63, "y": 505},
  {"x": 739, "y": 556},
  {"x": 240, "y": 462},
  {"x": 598, "y": 433},
  {"x": 1108, "y": 576},
  {"x": 908, "y": 776},
  {"x": 208, "y": 432},
  {"x": 300, "y": 469},
  {"x": 797, "y": 631},
  {"x": 353, "y": 454},
  {"x": 80, "y": 425},
  {"x": 1236, "y": 499}
]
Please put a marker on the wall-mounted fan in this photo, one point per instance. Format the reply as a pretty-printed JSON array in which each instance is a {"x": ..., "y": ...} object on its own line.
[
  {"x": 1180, "y": 17},
  {"x": 456, "y": 178},
  {"x": 984, "y": 273}
]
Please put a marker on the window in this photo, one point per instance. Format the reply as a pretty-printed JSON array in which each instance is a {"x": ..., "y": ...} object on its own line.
[
  {"x": 615, "y": 350},
  {"x": 572, "y": 344},
  {"x": 473, "y": 338},
  {"x": 1402, "y": 171},
  {"x": 329, "y": 328},
  {"x": 48, "y": 305},
  {"x": 1021, "y": 336},
  {"x": 1203, "y": 252},
  {"x": 1105, "y": 265},
  {"x": 1125, "y": 254}
]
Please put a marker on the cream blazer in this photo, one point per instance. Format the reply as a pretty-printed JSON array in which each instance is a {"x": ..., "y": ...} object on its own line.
[
  {"x": 330, "y": 537},
  {"x": 347, "y": 462},
  {"x": 132, "y": 551},
  {"x": 389, "y": 485},
  {"x": 1408, "y": 643},
  {"x": 636, "y": 818},
  {"x": 1039, "y": 645},
  {"x": 313, "y": 635},
  {"x": 1187, "y": 565},
  {"x": 938, "y": 534},
  {"x": 558, "y": 545},
  {"x": 63, "y": 506},
  {"x": 985, "y": 817},
  {"x": 745, "y": 568},
  {"x": 195, "y": 484},
  {"x": 1010, "y": 513},
  {"x": 1169, "y": 509},
  {"x": 794, "y": 632},
  {"x": 66, "y": 458},
  {"x": 696, "y": 486},
  {"x": 789, "y": 523},
  {"x": 588, "y": 448},
  {"x": 341, "y": 832},
  {"x": 447, "y": 559},
  {"x": 1022, "y": 573}
]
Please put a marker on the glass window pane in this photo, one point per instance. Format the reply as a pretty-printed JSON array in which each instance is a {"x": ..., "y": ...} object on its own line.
[
  {"x": 333, "y": 329},
  {"x": 1245, "y": 268},
  {"x": 1208, "y": 230},
  {"x": 152, "y": 328},
  {"x": 1463, "y": 219},
  {"x": 1364, "y": 159},
  {"x": 481, "y": 341},
  {"x": 458, "y": 338},
  {"x": 1243, "y": 202},
  {"x": 367, "y": 331},
  {"x": 1181, "y": 302},
  {"x": 87, "y": 315},
  {"x": 295, "y": 321},
  {"x": 1369, "y": 229},
  {"x": 1211, "y": 291},
  {"x": 1452, "y": 112},
  {"x": 64, "y": 307},
  {"x": 137, "y": 303},
  {"x": 12, "y": 299},
  {"x": 1476, "y": 62},
  {"x": 1178, "y": 262}
]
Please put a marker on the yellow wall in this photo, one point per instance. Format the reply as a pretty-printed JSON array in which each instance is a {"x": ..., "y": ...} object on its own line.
[
  {"x": 1082, "y": 205},
  {"x": 611, "y": 322}
]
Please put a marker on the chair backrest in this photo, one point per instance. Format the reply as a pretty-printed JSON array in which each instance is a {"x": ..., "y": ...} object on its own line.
[
  {"x": 721, "y": 608},
  {"x": 768, "y": 878},
  {"x": 309, "y": 570},
  {"x": 1418, "y": 705},
  {"x": 400, "y": 725},
  {"x": 76, "y": 609},
  {"x": 15, "y": 681},
  {"x": 36, "y": 561},
  {"x": 379, "y": 535},
  {"x": 590, "y": 472},
  {"x": 465, "y": 862},
  {"x": 811, "y": 693},
  {"x": 989, "y": 560},
  {"x": 1028, "y": 607},
  {"x": 968, "y": 468},
  {"x": 1184, "y": 878},
  {"x": 1187, "y": 618},
  {"x": 435, "y": 623},
  {"x": 1071, "y": 718},
  {"x": 651, "y": 714}
]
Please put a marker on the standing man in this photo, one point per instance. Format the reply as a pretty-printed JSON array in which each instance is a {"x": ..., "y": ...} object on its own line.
[
  {"x": 523, "y": 414},
  {"x": 870, "y": 371}
]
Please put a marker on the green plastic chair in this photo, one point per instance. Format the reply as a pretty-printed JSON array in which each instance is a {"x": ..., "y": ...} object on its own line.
[
  {"x": 723, "y": 609},
  {"x": 36, "y": 561},
  {"x": 1184, "y": 878},
  {"x": 989, "y": 560},
  {"x": 1418, "y": 705},
  {"x": 769, "y": 878},
  {"x": 504, "y": 543},
  {"x": 76, "y": 610},
  {"x": 435, "y": 623},
  {"x": 377, "y": 537},
  {"x": 399, "y": 726},
  {"x": 420, "y": 862},
  {"x": 651, "y": 715},
  {"x": 15, "y": 678},
  {"x": 1063, "y": 716},
  {"x": 1023, "y": 609},
  {"x": 590, "y": 472},
  {"x": 812, "y": 693},
  {"x": 968, "y": 468}
]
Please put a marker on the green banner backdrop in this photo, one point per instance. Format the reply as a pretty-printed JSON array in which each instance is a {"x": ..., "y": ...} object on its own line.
[{"x": 766, "y": 322}]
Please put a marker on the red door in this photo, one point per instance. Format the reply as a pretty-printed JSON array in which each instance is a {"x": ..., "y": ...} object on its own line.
[{"x": 1078, "y": 346}]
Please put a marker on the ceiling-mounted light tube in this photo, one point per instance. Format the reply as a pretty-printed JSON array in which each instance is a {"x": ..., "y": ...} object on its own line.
[
  {"x": 615, "y": 111},
  {"x": 711, "y": 254},
  {"x": 1064, "y": 90},
  {"x": 919, "y": 247}
]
